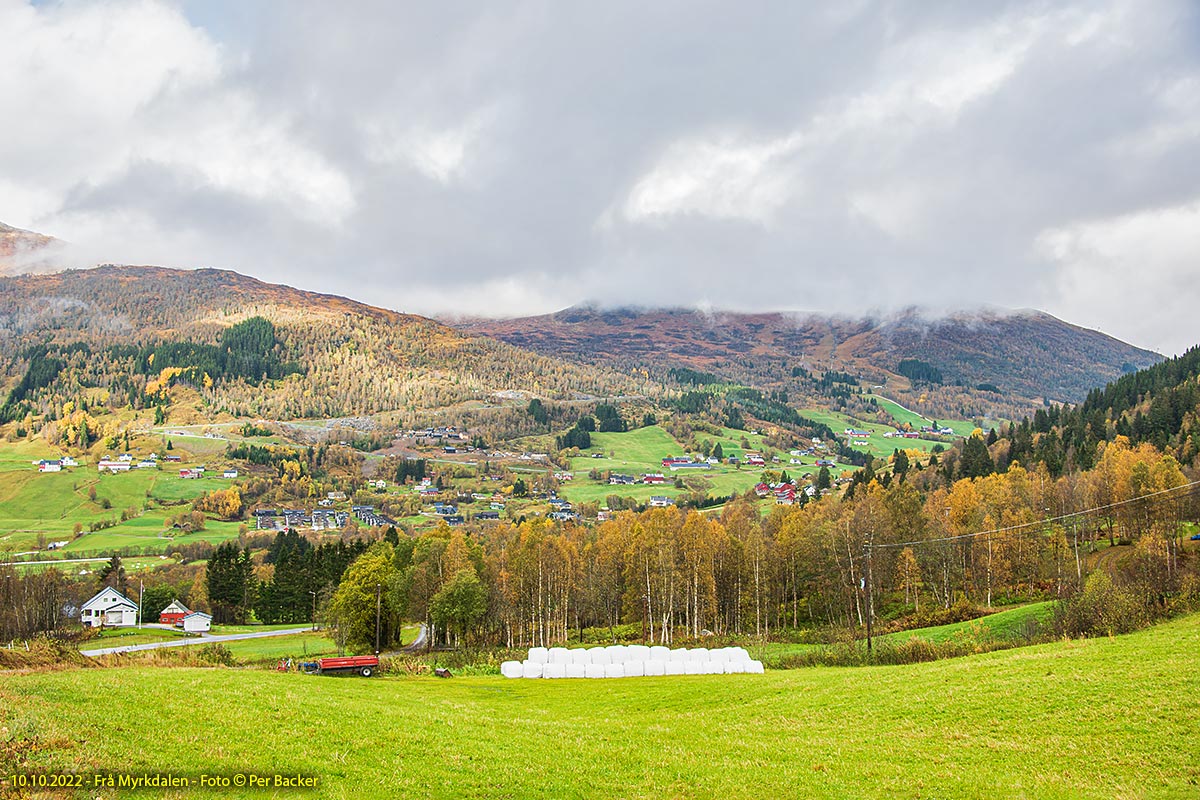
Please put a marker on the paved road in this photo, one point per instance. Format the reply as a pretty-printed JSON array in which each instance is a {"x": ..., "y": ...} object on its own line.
[
  {"x": 203, "y": 638},
  {"x": 419, "y": 642}
]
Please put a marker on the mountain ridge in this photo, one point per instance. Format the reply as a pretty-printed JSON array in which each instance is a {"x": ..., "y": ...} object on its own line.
[{"x": 1026, "y": 352}]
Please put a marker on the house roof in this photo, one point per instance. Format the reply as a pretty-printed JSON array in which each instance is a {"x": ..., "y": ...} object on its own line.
[
  {"x": 198, "y": 614},
  {"x": 109, "y": 592}
]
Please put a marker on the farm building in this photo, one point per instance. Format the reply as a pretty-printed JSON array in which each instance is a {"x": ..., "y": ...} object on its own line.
[
  {"x": 50, "y": 466},
  {"x": 109, "y": 608},
  {"x": 230, "y": 473},
  {"x": 197, "y": 622},
  {"x": 174, "y": 613},
  {"x": 659, "y": 501}
]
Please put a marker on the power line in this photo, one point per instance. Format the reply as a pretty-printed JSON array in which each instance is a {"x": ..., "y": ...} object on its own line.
[{"x": 1041, "y": 522}]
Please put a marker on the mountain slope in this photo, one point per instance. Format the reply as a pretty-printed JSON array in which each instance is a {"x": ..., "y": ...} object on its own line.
[
  {"x": 1029, "y": 355},
  {"x": 24, "y": 251},
  {"x": 356, "y": 359}
]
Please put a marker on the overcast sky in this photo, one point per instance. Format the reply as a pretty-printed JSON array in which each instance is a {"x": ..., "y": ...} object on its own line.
[{"x": 433, "y": 157}]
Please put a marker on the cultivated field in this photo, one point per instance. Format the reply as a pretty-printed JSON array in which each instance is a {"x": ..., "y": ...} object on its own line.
[
  {"x": 641, "y": 451},
  {"x": 49, "y": 505},
  {"x": 1100, "y": 718}
]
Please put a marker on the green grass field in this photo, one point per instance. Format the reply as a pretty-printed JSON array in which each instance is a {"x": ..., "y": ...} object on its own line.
[
  {"x": 1100, "y": 718},
  {"x": 33, "y": 504},
  {"x": 877, "y": 445},
  {"x": 1008, "y": 624},
  {"x": 1005, "y": 624},
  {"x": 641, "y": 451}
]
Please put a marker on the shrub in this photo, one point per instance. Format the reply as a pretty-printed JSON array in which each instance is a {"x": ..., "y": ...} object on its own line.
[{"x": 1101, "y": 609}]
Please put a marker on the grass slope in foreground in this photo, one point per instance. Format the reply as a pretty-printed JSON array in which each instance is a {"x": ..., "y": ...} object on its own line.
[{"x": 1099, "y": 718}]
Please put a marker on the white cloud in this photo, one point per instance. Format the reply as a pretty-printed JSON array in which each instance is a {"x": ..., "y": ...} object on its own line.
[
  {"x": 533, "y": 155},
  {"x": 1128, "y": 273},
  {"x": 107, "y": 87},
  {"x": 442, "y": 154},
  {"x": 727, "y": 179}
]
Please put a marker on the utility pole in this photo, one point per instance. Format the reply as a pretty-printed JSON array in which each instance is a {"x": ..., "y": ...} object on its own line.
[
  {"x": 870, "y": 590},
  {"x": 378, "y": 606},
  {"x": 141, "y": 594},
  {"x": 314, "y": 612}
]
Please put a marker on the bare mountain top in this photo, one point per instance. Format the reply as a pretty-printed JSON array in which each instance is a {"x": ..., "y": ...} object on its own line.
[{"x": 1027, "y": 354}]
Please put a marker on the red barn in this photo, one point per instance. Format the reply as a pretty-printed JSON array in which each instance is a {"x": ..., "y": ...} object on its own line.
[{"x": 174, "y": 613}]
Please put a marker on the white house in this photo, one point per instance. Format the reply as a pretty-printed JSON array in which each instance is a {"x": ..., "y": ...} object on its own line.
[
  {"x": 230, "y": 473},
  {"x": 109, "y": 608},
  {"x": 197, "y": 622}
]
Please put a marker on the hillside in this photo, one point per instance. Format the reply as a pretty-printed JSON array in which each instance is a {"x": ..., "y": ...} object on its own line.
[
  {"x": 23, "y": 251},
  {"x": 1027, "y": 355},
  {"x": 84, "y": 329}
]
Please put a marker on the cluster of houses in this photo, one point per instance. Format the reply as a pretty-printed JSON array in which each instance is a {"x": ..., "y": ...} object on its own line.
[
  {"x": 562, "y": 510},
  {"x": 55, "y": 465},
  {"x": 784, "y": 493},
  {"x": 674, "y": 463},
  {"x": 321, "y": 519},
  {"x": 942, "y": 430},
  {"x": 108, "y": 608},
  {"x": 439, "y": 432},
  {"x": 126, "y": 462},
  {"x": 371, "y": 518}
]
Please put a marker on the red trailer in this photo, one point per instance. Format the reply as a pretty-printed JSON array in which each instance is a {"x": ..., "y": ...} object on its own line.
[{"x": 363, "y": 665}]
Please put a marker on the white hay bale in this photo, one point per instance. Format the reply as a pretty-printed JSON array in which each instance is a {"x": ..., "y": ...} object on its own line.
[
  {"x": 734, "y": 667},
  {"x": 698, "y": 654},
  {"x": 676, "y": 668},
  {"x": 618, "y": 653},
  {"x": 694, "y": 667},
  {"x": 720, "y": 654},
  {"x": 614, "y": 671},
  {"x": 579, "y": 656},
  {"x": 679, "y": 655},
  {"x": 538, "y": 655},
  {"x": 655, "y": 667},
  {"x": 740, "y": 652},
  {"x": 594, "y": 671},
  {"x": 659, "y": 653},
  {"x": 637, "y": 652},
  {"x": 755, "y": 668},
  {"x": 576, "y": 670},
  {"x": 635, "y": 669},
  {"x": 512, "y": 669},
  {"x": 598, "y": 655},
  {"x": 554, "y": 671},
  {"x": 532, "y": 669},
  {"x": 559, "y": 655}
]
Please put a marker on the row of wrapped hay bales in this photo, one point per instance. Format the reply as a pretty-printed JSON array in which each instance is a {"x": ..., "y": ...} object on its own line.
[{"x": 630, "y": 661}]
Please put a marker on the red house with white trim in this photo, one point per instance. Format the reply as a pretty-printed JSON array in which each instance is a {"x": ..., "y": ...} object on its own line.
[{"x": 174, "y": 613}]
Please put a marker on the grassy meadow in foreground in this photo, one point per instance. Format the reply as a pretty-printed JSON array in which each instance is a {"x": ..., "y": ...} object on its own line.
[{"x": 1098, "y": 718}]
